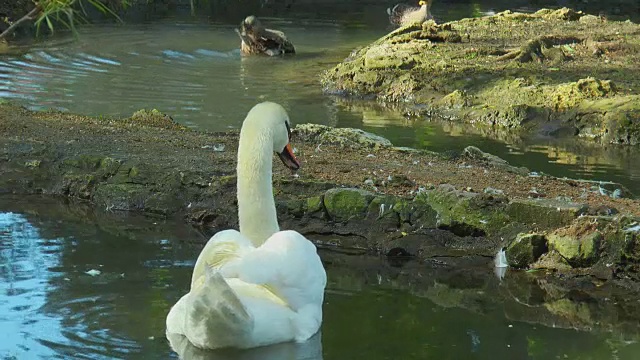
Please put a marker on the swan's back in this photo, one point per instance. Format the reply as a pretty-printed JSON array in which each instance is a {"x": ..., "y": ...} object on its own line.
[{"x": 302, "y": 276}]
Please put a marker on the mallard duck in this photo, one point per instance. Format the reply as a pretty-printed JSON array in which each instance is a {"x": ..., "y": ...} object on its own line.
[
  {"x": 403, "y": 14},
  {"x": 256, "y": 39}
]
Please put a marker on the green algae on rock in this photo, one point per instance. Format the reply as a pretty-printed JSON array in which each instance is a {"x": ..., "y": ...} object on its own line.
[
  {"x": 526, "y": 249},
  {"x": 348, "y": 137},
  {"x": 510, "y": 70},
  {"x": 345, "y": 204},
  {"x": 579, "y": 251}
]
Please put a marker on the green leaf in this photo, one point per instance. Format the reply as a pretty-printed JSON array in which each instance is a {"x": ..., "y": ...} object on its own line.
[{"x": 63, "y": 11}]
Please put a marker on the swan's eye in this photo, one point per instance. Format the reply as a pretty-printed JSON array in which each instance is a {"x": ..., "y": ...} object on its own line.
[{"x": 286, "y": 123}]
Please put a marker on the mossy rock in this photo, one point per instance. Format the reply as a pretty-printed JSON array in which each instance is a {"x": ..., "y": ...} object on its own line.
[
  {"x": 454, "y": 100},
  {"x": 578, "y": 250},
  {"x": 552, "y": 260},
  {"x": 296, "y": 207},
  {"x": 344, "y": 204},
  {"x": 78, "y": 185},
  {"x": 544, "y": 213},
  {"x": 108, "y": 166},
  {"x": 381, "y": 206},
  {"x": 314, "y": 204},
  {"x": 122, "y": 196},
  {"x": 345, "y": 137},
  {"x": 84, "y": 162},
  {"x": 475, "y": 153},
  {"x": 466, "y": 213},
  {"x": 569, "y": 95},
  {"x": 422, "y": 214},
  {"x": 564, "y": 13},
  {"x": 154, "y": 118},
  {"x": 526, "y": 249}
]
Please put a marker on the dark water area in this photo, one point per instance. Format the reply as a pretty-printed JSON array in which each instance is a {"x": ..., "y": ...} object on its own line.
[{"x": 80, "y": 283}]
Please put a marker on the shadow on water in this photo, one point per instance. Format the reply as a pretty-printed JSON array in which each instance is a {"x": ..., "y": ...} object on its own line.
[{"x": 445, "y": 308}]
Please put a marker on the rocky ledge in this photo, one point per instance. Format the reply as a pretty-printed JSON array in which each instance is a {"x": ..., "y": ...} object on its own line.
[
  {"x": 356, "y": 192},
  {"x": 556, "y": 72}
]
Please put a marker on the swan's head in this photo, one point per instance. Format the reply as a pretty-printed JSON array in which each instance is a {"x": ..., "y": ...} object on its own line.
[{"x": 269, "y": 118}]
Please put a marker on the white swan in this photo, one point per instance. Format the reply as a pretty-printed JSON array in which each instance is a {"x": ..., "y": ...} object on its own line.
[{"x": 259, "y": 286}]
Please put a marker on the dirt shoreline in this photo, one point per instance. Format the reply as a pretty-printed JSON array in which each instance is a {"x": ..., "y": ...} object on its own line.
[{"x": 150, "y": 164}]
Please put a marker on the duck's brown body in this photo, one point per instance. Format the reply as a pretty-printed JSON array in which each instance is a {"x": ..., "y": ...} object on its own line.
[
  {"x": 256, "y": 39},
  {"x": 403, "y": 14}
]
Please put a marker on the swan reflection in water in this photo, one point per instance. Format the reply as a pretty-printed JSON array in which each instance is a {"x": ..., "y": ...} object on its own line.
[{"x": 308, "y": 350}]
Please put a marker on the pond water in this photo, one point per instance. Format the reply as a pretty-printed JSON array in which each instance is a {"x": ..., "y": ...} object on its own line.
[
  {"x": 190, "y": 67},
  {"x": 51, "y": 308}
]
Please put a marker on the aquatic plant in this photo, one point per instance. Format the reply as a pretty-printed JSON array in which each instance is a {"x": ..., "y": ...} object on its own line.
[{"x": 65, "y": 12}]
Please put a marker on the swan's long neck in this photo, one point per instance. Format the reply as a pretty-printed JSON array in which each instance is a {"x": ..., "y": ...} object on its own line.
[{"x": 256, "y": 206}]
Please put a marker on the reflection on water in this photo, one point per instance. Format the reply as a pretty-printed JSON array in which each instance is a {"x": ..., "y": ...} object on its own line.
[
  {"x": 192, "y": 71},
  {"x": 309, "y": 350},
  {"x": 51, "y": 308}
]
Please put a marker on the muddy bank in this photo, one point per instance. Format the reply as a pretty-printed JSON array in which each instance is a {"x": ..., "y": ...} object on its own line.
[
  {"x": 555, "y": 72},
  {"x": 356, "y": 192}
]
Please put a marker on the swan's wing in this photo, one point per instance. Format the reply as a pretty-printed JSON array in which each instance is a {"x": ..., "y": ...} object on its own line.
[
  {"x": 214, "y": 315},
  {"x": 223, "y": 247},
  {"x": 289, "y": 265}
]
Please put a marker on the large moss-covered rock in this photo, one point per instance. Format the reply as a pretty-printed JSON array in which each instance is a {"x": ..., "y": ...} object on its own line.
[
  {"x": 526, "y": 249},
  {"x": 578, "y": 249},
  {"x": 467, "y": 213},
  {"x": 344, "y": 204},
  {"x": 347, "y": 137}
]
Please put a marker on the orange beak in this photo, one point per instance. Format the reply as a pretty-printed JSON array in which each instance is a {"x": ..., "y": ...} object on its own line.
[{"x": 288, "y": 158}]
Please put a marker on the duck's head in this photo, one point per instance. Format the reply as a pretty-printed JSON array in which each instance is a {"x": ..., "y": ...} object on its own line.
[
  {"x": 422, "y": 3},
  {"x": 269, "y": 120},
  {"x": 251, "y": 23}
]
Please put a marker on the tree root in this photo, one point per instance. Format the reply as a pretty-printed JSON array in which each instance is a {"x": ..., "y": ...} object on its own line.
[
  {"x": 31, "y": 15},
  {"x": 534, "y": 48}
]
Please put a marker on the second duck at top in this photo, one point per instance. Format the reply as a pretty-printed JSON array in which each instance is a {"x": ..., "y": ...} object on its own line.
[
  {"x": 256, "y": 39},
  {"x": 403, "y": 14}
]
